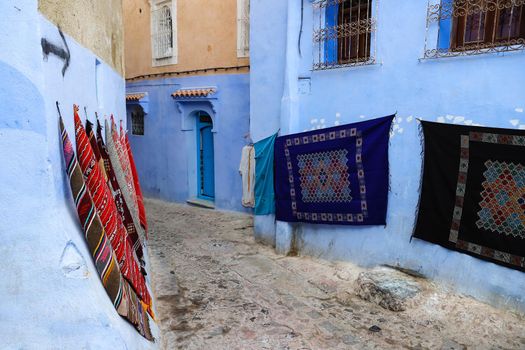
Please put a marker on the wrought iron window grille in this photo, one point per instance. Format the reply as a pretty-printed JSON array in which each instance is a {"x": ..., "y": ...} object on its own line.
[
  {"x": 162, "y": 36},
  {"x": 243, "y": 28},
  {"x": 137, "y": 123},
  {"x": 473, "y": 27},
  {"x": 344, "y": 33},
  {"x": 163, "y": 32}
]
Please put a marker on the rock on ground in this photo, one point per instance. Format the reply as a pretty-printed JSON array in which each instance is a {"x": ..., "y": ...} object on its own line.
[
  {"x": 216, "y": 288},
  {"x": 388, "y": 288}
]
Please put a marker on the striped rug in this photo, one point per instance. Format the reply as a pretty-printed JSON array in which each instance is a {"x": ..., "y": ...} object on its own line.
[
  {"x": 120, "y": 201},
  {"x": 120, "y": 293},
  {"x": 136, "y": 182},
  {"x": 107, "y": 211}
]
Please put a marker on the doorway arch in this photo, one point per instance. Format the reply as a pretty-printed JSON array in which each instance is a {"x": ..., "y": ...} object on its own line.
[{"x": 205, "y": 156}]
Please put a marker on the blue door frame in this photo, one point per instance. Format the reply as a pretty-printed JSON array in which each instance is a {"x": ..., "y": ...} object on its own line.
[{"x": 205, "y": 157}]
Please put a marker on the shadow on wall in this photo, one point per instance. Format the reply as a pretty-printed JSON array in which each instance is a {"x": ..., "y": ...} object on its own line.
[{"x": 20, "y": 99}]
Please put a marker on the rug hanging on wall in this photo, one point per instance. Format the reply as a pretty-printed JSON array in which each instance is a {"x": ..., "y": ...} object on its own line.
[
  {"x": 136, "y": 183},
  {"x": 120, "y": 202},
  {"x": 121, "y": 294},
  {"x": 124, "y": 177},
  {"x": 473, "y": 192},
  {"x": 124, "y": 161},
  {"x": 94, "y": 146},
  {"x": 336, "y": 175},
  {"x": 107, "y": 211}
]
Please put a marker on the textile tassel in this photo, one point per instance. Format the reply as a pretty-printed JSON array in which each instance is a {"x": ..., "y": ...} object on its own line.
[
  {"x": 421, "y": 173},
  {"x": 58, "y": 109},
  {"x": 390, "y": 132}
]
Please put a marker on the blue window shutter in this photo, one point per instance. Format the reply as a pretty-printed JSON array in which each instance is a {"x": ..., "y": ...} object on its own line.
[
  {"x": 445, "y": 27},
  {"x": 330, "y": 45}
]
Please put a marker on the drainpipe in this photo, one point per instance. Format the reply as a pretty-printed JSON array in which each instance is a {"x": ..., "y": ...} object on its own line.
[
  {"x": 290, "y": 97},
  {"x": 289, "y": 122}
]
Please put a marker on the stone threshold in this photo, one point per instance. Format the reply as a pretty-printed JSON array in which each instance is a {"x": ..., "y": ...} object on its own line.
[{"x": 199, "y": 202}]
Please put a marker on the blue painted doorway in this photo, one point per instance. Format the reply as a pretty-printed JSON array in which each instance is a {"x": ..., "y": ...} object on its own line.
[{"x": 205, "y": 157}]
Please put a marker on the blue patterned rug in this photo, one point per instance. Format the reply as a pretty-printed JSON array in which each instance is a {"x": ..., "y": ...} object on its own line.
[{"x": 336, "y": 175}]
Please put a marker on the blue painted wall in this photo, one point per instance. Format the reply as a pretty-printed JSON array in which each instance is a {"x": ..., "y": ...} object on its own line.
[
  {"x": 52, "y": 296},
  {"x": 487, "y": 90},
  {"x": 166, "y": 153}
]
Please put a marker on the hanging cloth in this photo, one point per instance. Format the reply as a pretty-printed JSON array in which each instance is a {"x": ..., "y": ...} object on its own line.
[
  {"x": 107, "y": 210},
  {"x": 93, "y": 141},
  {"x": 120, "y": 201},
  {"x": 247, "y": 171},
  {"x": 337, "y": 175},
  {"x": 122, "y": 295},
  {"x": 136, "y": 183},
  {"x": 113, "y": 149},
  {"x": 473, "y": 192},
  {"x": 264, "y": 191}
]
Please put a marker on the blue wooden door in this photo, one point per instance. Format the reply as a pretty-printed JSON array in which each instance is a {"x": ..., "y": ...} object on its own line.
[{"x": 205, "y": 156}]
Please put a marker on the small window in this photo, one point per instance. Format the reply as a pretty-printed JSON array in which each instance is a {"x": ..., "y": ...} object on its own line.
[
  {"x": 137, "y": 122},
  {"x": 470, "y": 27},
  {"x": 345, "y": 33},
  {"x": 243, "y": 28},
  {"x": 483, "y": 23},
  {"x": 163, "y": 32},
  {"x": 354, "y": 45}
]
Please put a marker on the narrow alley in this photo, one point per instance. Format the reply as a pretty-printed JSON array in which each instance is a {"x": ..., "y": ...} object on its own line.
[
  {"x": 216, "y": 288},
  {"x": 262, "y": 174}
]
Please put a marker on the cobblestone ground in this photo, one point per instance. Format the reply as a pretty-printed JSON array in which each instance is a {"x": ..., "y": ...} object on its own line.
[{"x": 218, "y": 289}]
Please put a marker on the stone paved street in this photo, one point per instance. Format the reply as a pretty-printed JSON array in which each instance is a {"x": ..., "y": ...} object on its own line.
[{"x": 218, "y": 289}]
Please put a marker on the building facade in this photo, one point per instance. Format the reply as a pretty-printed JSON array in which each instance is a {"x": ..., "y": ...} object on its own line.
[
  {"x": 52, "y": 295},
  {"x": 187, "y": 84},
  {"x": 334, "y": 62}
]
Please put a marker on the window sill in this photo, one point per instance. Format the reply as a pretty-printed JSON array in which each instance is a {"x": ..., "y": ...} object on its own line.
[
  {"x": 158, "y": 62},
  {"x": 319, "y": 67},
  {"x": 434, "y": 54}
]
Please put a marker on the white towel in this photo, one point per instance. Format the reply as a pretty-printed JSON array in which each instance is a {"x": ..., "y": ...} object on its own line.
[{"x": 247, "y": 171}]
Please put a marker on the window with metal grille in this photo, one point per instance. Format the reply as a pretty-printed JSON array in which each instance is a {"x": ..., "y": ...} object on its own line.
[
  {"x": 163, "y": 32},
  {"x": 137, "y": 122},
  {"x": 344, "y": 33},
  {"x": 471, "y": 27},
  {"x": 243, "y": 28}
]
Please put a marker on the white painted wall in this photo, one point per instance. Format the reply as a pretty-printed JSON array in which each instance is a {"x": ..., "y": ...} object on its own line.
[{"x": 51, "y": 296}]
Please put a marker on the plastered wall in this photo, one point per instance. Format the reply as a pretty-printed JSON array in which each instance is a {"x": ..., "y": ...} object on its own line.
[
  {"x": 95, "y": 24},
  {"x": 52, "y": 296},
  {"x": 166, "y": 155},
  {"x": 481, "y": 90},
  {"x": 207, "y": 37}
]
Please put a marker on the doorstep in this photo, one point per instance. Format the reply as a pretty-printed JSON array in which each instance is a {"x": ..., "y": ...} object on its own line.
[{"x": 203, "y": 203}]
